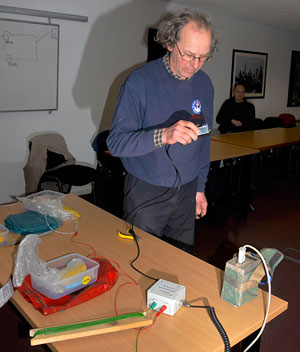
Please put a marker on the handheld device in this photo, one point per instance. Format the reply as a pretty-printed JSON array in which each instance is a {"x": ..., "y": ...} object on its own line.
[{"x": 200, "y": 122}]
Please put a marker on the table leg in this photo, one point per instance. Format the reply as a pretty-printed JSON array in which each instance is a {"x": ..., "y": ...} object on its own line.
[{"x": 245, "y": 174}]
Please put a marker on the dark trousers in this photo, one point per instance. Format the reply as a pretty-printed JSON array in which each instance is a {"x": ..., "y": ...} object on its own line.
[{"x": 168, "y": 213}]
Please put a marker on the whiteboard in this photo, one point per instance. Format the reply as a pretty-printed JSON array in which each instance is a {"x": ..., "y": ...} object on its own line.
[{"x": 28, "y": 66}]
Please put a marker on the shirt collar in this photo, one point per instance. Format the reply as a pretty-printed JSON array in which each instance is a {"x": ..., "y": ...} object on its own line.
[{"x": 166, "y": 60}]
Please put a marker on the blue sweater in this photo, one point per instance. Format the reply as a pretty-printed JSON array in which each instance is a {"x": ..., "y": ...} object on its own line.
[{"x": 151, "y": 98}]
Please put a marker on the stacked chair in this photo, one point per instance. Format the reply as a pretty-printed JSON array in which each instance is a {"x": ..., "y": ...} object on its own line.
[{"x": 51, "y": 165}]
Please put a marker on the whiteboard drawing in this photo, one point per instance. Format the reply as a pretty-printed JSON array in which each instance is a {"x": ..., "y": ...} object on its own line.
[{"x": 28, "y": 65}]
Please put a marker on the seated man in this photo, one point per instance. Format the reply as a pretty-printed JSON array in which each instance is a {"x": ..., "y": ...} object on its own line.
[{"x": 236, "y": 114}]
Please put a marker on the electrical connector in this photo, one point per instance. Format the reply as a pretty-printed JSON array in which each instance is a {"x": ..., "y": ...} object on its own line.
[
  {"x": 166, "y": 293},
  {"x": 242, "y": 255},
  {"x": 162, "y": 309},
  {"x": 153, "y": 305}
]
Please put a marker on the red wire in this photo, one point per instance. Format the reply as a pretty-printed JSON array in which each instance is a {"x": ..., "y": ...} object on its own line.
[
  {"x": 82, "y": 243},
  {"x": 131, "y": 278},
  {"x": 118, "y": 291},
  {"x": 123, "y": 285},
  {"x": 94, "y": 255}
]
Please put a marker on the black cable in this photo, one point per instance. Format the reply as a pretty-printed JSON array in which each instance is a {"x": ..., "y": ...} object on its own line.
[
  {"x": 138, "y": 254},
  {"x": 145, "y": 205},
  {"x": 217, "y": 324}
]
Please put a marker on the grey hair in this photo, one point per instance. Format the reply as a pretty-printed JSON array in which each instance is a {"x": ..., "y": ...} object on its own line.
[{"x": 170, "y": 27}]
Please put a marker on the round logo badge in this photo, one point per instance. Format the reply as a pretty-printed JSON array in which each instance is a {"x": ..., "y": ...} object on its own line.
[
  {"x": 86, "y": 280},
  {"x": 196, "y": 106}
]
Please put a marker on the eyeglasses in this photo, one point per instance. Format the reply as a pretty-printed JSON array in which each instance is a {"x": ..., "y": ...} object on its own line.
[{"x": 190, "y": 58}]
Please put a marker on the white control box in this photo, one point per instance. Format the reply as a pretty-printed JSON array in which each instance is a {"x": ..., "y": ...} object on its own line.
[{"x": 166, "y": 293}]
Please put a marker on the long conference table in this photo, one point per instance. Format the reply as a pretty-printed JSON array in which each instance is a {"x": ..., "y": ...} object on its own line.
[
  {"x": 255, "y": 141},
  {"x": 220, "y": 150},
  {"x": 262, "y": 139},
  {"x": 189, "y": 330}
]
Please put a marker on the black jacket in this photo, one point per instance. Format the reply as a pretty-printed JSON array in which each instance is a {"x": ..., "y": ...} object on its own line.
[{"x": 230, "y": 110}]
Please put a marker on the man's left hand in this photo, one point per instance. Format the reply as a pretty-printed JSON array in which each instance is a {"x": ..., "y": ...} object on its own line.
[
  {"x": 236, "y": 123},
  {"x": 201, "y": 205}
]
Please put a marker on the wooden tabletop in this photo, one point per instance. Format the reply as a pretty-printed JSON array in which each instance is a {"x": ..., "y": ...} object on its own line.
[
  {"x": 221, "y": 151},
  {"x": 190, "y": 330},
  {"x": 262, "y": 139}
]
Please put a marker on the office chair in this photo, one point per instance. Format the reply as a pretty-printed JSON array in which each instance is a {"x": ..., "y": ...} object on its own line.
[
  {"x": 50, "y": 162},
  {"x": 288, "y": 120},
  {"x": 272, "y": 122},
  {"x": 258, "y": 124}
]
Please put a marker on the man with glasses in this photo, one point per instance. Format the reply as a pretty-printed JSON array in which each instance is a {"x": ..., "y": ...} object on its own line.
[{"x": 155, "y": 131}]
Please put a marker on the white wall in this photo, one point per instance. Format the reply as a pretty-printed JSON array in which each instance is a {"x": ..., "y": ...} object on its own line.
[
  {"x": 95, "y": 57},
  {"x": 247, "y": 35}
]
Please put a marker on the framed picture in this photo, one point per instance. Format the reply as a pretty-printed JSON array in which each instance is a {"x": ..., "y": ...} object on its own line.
[
  {"x": 294, "y": 83},
  {"x": 249, "y": 68}
]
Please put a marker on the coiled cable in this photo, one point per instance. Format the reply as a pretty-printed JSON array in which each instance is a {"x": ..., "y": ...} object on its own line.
[{"x": 216, "y": 322}]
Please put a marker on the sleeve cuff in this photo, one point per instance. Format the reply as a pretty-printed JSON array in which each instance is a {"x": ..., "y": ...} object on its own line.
[{"x": 158, "y": 138}]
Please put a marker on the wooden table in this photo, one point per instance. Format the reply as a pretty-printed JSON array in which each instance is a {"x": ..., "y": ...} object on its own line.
[
  {"x": 220, "y": 150},
  {"x": 190, "y": 330},
  {"x": 262, "y": 139}
]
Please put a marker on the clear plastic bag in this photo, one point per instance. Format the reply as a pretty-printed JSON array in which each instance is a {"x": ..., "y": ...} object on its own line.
[
  {"x": 27, "y": 261},
  {"x": 47, "y": 203}
]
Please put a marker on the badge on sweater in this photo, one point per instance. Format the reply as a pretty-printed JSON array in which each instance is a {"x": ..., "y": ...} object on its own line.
[
  {"x": 196, "y": 106},
  {"x": 199, "y": 119}
]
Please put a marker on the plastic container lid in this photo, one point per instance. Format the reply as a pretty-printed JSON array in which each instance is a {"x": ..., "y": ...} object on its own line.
[{"x": 31, "y": 222}]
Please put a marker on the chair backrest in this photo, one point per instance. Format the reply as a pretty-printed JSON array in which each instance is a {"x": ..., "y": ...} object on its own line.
[
  {"x": 54, "y": 160},
  {"x": 288, "y": 120},
  {"x": 272, "y": 122},
  {"x": 37, "y": 162},
  {"x": 258, "y": 124}
]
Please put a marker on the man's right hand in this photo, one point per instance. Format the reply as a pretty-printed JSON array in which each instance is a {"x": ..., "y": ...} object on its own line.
[
  {"x": 236, "y": 123},
  {"x": 182, "y": 131}
]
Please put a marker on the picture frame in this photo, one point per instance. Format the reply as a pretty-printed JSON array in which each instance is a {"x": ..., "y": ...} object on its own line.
[
  {"x": 249, "y": 68},
  {"x": 294, "y": 81}
]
